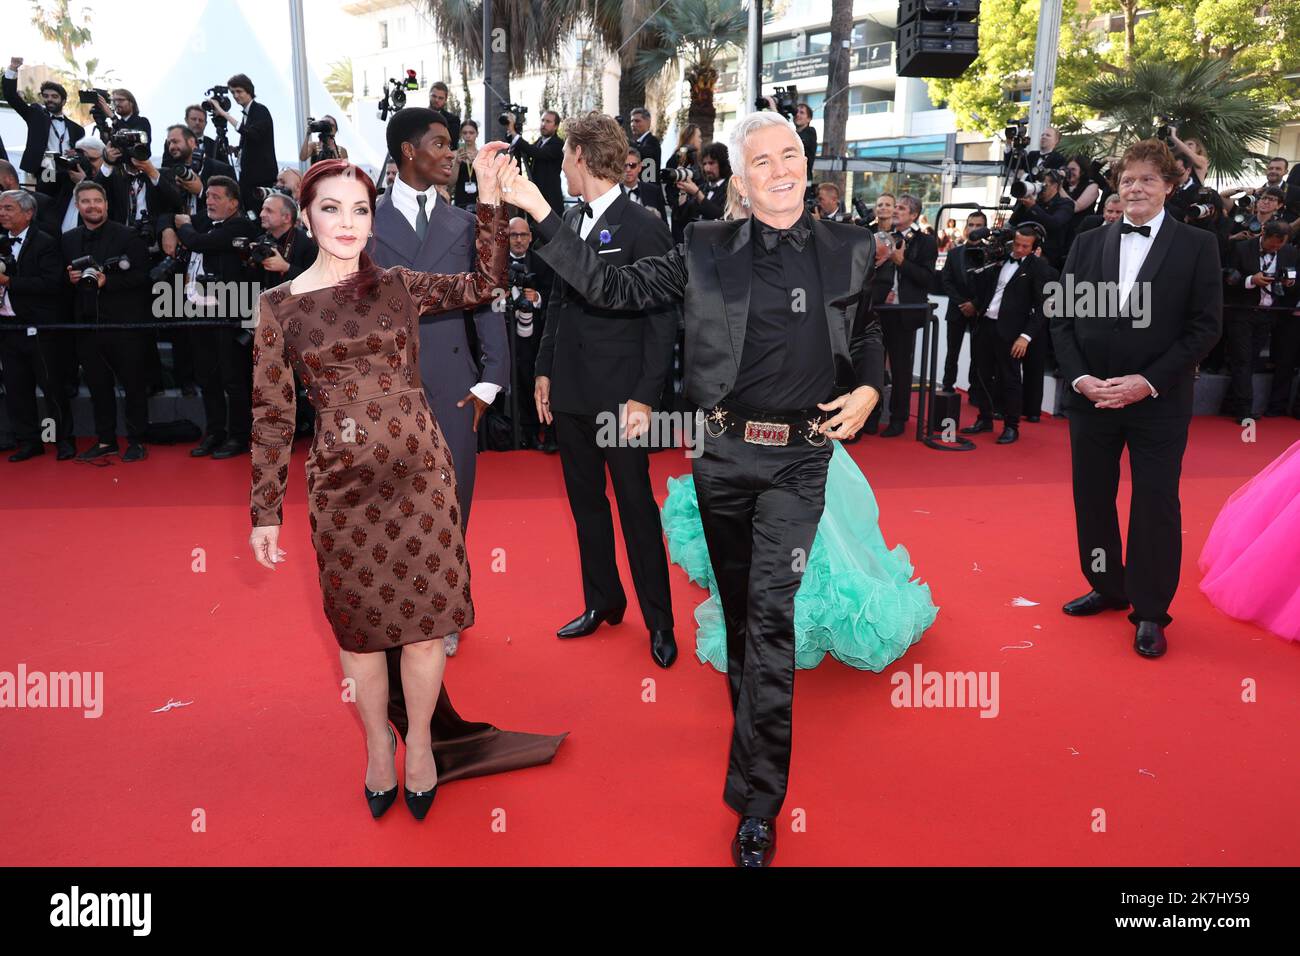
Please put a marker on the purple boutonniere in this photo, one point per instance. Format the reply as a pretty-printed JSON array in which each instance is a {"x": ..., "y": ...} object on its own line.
[{"x": 604, "y": 236}]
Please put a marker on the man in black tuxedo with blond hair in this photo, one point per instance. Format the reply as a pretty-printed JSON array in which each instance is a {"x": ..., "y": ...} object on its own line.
[
  {"x": 1131, "y": 369},
  {"x": 780, "y": 375}
]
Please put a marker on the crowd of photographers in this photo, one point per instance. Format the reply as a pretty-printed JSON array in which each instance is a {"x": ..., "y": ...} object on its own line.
[{"x": 104, "y": 226}]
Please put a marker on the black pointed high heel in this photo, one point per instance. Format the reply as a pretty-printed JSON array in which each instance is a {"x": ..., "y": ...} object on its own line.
[
  {"x": 419, "y": 802},
  {"x": 381, "y": 800}
]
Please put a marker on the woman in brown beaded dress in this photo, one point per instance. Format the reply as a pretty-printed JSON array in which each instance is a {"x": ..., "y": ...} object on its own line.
[{"x": 381, "y": 487}]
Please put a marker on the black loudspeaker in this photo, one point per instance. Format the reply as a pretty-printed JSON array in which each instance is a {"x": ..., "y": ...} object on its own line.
[
  {"x": 944, "y": 406},
  {"x": 937, "y": 38}
]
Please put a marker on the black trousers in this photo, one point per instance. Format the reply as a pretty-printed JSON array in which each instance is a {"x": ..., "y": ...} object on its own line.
[
  {"x": 1286, "y": 361},
  {"x": 899, "y": 331},
  {"x": 30, "y": 361},
  {"x": 957, "y": 326},
  {"x": 223, "y": 369},
  {"x": 995, "y": 382},
  {"x": 1034, "y": 367},
  {"x": 121, "y": 355},
  {"x": 1245, "y": 334},
  {"x": 1149, "y": 576},
  {"x": 760, "y": 506},
  {"x": 584, "y": 462}
]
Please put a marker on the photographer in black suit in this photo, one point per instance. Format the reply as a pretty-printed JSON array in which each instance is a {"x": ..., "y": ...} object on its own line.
[
  {"x": 544, "y": 157},
  {"x": 707, "y": 200},
  {"x": 646, "y": 145},
  {"x": 196, "y": 121},
  {"x": 1260, "y": 277},
  {"x": 1051, "y": 209},
  {"x": 1131, "y": 369},
  {"x": 1010, "y": 309},
  {"x": 438, "y": 94},
  {"x": 956, "y": 282},
  {"x": 256, "y": 129},
  {"x": 591, "y": 371},
  {"x": 46, "y": 208},
  {"x": 124, "y": 114},
  {"x": 223, "y": 356},
  {"x": 48, "y": 130},
  {"x": 780, "y": 375},
  {"x": 31, "y": 289},
  {"x": 531, "y": 281},
  {"x": 912, "y": 262},
  {"x": 641, "y": 191},
  {"x": 106, "y": 293},
  {"x": 294, "y": 248}
]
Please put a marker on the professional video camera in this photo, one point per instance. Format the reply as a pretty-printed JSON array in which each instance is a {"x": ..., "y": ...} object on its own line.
[
  {"x": 217, "y": 96},
  {"x": 785, "y": 98},
  {"x": 394, "y": 98},
  {"x": 987, "y": 247},
  {"x": 255, "y": 251},
  {"x": 91, "y": 98},
  {"x": 132, "y": 143},
  {"x": 1025, "y": 178},
  {"x": 90, "y": 269},
  {"x": 520, "y": 114}
]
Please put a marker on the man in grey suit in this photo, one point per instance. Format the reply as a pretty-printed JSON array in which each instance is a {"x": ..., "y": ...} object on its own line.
[{"x": 417, "y": 228}]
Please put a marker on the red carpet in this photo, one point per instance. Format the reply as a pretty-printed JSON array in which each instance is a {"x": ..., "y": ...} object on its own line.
[{"x": 99, "y": 569}]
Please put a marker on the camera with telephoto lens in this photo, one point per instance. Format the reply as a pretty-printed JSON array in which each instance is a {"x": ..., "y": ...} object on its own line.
[
  {"x": 256, "y": 250},
  {"x": 90, "y": 269},
  {"x": 1205, "y": 203},
  {"x": 170, "y": 265},
  {"x": 132, "y": 143},
  {"x": 521, "y": 279},
  {"x": 72, "y": 159},
  {"x": 515, "y": 111},
  {"x": 394, "y": 96},
  {"x": 988, "y": 247},
  {"x": 785, "y": 98},
  {"x": 323, "y": 127},
  {"x": 264, "y": 193},
  {"x": 688, "y": 167},
  {"x": 183, "y": 172}
]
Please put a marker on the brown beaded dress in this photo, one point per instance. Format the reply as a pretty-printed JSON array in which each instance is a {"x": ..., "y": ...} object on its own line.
[{"x": 381, "y": 487}]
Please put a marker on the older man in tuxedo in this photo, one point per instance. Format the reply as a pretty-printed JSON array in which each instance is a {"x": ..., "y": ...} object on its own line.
[
  {"x": 779, "y": 373},
  {"x": 417, "y": 228},
  {"x": 1131, "y": 364}
]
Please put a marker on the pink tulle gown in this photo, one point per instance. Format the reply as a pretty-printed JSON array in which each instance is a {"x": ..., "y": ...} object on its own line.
[{"x": 1251, "y": 560}]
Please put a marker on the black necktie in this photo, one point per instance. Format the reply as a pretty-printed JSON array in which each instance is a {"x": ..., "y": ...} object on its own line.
[
  {"x": 796, "y": 235},
  {"x": 1126, "y": 227}
]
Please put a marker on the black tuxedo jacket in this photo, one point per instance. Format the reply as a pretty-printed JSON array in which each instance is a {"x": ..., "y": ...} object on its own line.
[
  {"x": 219, "y": 257},
  {"x": 651, "y": 154},
  {"x": 257, "y": 166},
  {"x": 651, "y": 196},
  {"x": 37, "y": 119},
  {"x": 1184, "y": 324},
  {"x": 1021, "y": 310},
  {"x": 595, "y": 364},
  {"x": 544, "y": 162},
  {"x": 163, "y": 200},
  {"x": 957, "y": 283},
  {"x": 917, "y": 274},
  {"x": 711, "y": 271},
  {"x": 38, "y": 287},
  {"x": 125, "y": 295},
  {"x": 1244, "y": 257}
]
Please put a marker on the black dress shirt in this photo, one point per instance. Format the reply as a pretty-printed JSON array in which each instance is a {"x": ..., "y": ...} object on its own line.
[{"x": 786, "y": 363}]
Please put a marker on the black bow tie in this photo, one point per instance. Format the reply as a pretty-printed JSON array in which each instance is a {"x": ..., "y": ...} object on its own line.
[
  {"x": 796, "y": 235},
  {"x": 584, "y": 209},
  {"x": 15, "y": 239},
  {"x": 1126, "y": 227}
]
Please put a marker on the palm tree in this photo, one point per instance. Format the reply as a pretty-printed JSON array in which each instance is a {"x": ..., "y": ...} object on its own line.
[
  {"x": 1207, "y": 99},
  {"x": 625, "y": 27},
  {"x": 696, "y": 35},
  {"x": 835, "y": 112},
  {"x": 57, "y": 25},
  {"x": 339, "y": 82},
  {"x": 523, "y": 36}
]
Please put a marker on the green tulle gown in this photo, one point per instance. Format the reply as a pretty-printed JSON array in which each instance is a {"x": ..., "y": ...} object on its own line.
[{"x": 857, "y": 601}]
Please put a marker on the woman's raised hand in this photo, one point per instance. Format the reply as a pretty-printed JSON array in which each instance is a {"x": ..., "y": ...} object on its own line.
[{"x": 491, "y": 158}]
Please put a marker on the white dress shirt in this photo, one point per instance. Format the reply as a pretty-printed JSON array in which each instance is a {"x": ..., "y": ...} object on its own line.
[
  {"x": 1267, "y": 263},
  {"x": 405, "y": 201},
  {"x": 1133, "y": 250},
  {"x": 6, "y": 304},
  {"x": 598, "y": 207}
]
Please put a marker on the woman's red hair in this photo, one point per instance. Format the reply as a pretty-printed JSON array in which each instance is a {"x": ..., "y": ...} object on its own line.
[{"x": 366, "y": 279}]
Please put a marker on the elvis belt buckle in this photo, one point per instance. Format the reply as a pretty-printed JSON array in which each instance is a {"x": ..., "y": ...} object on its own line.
[{"x": 762, "y": 433}]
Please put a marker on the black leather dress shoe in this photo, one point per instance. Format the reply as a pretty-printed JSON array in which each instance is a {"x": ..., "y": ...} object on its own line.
[
  {"x": 1093, "y": 603},
  {"x": 755, "y": 842},
  {"x": 871, "y": 428},
  {"x": 663, "y": 647},
  {"x": 67, "y": 448},
  {"x": 1009, "y": 434},
  {"x": 997, "y": 416},
  {"x": 1035, "y": 419},
  {"x": 587, "y": 622},
  {"x": 209, "y": 444},
  {"x": 894, "y": 430},
  {"x": 27, "y": 450},
  {"x": 981, "y": 425},
  {"x": 135, "y": 452},
  {"x": 1150, "y": 639},
  {"x": 230, "y": 448},
  {"x": 98, "y": 450}
]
